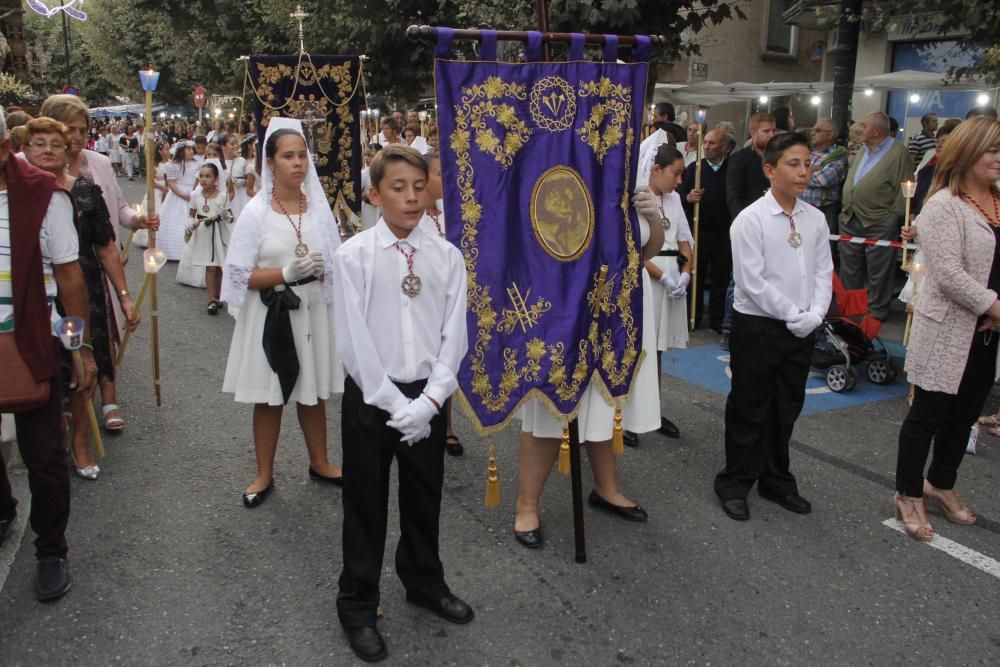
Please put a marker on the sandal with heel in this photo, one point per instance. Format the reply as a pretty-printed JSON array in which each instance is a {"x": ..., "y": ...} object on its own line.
[
  {"x": 952, "y": 508},
  {"x": 912, "y": 514}
]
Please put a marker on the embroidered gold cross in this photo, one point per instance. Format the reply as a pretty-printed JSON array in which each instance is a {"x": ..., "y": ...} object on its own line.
[{"x": 600, "y": 299}]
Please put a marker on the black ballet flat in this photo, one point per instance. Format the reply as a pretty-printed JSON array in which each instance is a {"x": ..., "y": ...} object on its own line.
[
  {"x": 316, "y": 477},
  {"x": 257, "y": 497},
  {"x": 634, "y": 513}
]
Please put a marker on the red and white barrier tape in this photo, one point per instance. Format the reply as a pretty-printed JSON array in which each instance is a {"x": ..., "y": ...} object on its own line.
[{"x": 861, "y": 240}]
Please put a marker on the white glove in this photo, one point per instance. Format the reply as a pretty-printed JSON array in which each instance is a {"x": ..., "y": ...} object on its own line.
[
  {"x": 668, "y": 281},
  {"x": 411, "y": 420},
  {"x": 682, "y": 286},
  {"x": 804, "y": 324},
  {"x": 320, "y": 265},
  {"x": 645, "y": 203},
  {"x": 300, "y": 268}
]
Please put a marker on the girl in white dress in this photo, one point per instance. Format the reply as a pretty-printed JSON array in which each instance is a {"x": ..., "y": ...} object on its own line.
[
  {"x": 278, "y": 284},
  {"x": 239, "y": 172},
  {"x": 209, "y": 222},
  {"x": 670, "y": 282},
  {"x": 541, "y": 432},
  {"x": 181, "y": 174}
]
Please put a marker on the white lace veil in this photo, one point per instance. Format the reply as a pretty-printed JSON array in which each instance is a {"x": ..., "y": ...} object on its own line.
[
  {"x": 244, "y": 244},
  {"x": 647, "y": 156}
]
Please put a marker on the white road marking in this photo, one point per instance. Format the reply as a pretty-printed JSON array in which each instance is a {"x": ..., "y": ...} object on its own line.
[{"x": 956, "y": 550}]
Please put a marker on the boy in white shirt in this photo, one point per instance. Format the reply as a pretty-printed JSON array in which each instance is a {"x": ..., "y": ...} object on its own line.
[
  {"x": 399, "y": 315},
  {"x": 783, "y": 272}
]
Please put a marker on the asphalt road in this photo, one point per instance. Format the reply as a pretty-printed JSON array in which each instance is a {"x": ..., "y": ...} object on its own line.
[{"x": 170, "y": 569}]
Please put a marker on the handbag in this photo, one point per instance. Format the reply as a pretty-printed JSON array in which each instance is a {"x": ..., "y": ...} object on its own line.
[{"x": 19, "y": 392}]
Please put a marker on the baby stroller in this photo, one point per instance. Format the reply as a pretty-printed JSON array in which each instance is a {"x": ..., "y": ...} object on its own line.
[{"x": 842, "y": 344}]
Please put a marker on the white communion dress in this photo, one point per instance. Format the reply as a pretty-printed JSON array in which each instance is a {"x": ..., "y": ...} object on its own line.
[{"x": 669, "y": 314}]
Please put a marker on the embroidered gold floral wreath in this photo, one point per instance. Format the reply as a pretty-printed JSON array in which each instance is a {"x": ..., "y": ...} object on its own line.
[{"x": 604, "y": 129}]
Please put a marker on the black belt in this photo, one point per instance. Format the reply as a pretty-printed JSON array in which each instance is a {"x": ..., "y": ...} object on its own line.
[
  {"x": 668, "y": 253},
  {"x": 304, "y": 281}
]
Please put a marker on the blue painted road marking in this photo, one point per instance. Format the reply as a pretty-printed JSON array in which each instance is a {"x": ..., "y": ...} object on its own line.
[{"x": 708, "y": 367}]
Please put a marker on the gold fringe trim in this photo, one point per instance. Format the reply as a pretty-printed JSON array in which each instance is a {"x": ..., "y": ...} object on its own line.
[
  {"x": 617, "y": 435},
  {"x": 546, "y": 402}
]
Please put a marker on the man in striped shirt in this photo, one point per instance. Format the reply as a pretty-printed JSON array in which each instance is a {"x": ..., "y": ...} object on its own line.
[{"x": 923, "y": 142}]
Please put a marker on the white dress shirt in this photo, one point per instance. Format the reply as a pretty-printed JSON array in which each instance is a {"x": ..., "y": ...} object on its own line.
[
  {"x": 773, "y": 279},
  {"x": 384, "y": 335}
]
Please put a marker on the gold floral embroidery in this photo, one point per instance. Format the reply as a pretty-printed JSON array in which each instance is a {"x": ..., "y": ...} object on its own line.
[
  {"x": 611, "y": 113},
  {"x": 488, "y": 100}
]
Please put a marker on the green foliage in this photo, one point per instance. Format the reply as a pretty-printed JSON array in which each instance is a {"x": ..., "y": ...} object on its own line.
[
  {"x": 13, "y": 92},
  {"x": 197, "y": 42}
]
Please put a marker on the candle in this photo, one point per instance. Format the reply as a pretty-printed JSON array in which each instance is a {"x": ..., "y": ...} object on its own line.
[
  {"x": 140, "y": 209},
  {"x": 909, "y": 189},
  {"x": 70, "y": 332},
  {"x": 153, "y": 260}
]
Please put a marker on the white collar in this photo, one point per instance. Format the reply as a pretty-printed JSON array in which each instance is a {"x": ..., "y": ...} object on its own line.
[
  {"x": 386, "y": 238},
  {"x": 775, "y": 208}
]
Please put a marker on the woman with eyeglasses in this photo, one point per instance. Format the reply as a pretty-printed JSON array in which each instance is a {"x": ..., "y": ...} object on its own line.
[{"x": 46, "y": 147}]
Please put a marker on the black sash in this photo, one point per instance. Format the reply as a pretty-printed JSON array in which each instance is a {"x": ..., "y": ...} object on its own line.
[{"x": 279, "y": 344}]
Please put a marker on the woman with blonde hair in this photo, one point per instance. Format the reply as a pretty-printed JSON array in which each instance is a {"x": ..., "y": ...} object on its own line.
[{"x": 956, "y": 325}]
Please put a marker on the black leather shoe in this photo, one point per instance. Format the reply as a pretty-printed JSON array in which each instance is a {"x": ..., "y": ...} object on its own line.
[
  {"x": 634, "y": 513},
  {"x": 449, "y": 607},
  {"x": 793, "y": 502},
  {"x": 53, "y": 580},
  {"x": 316, "y": 477},
  {"x": 256, "y": 498},
  {"x": 367, "y": 643},
  {"x": 736, "y": 509},
  {"x": 4, "y": 528},
  {"x": 631, "y": 439},
  {"x": 531, "y": 539},
  {"x": 453, "y": 446},
  {"x": 668, "y": 428}
]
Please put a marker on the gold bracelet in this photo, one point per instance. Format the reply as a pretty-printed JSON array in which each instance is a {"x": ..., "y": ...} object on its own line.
[{"x": 122, "y": 293}]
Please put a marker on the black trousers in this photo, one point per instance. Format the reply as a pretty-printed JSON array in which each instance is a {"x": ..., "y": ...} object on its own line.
[
  {"x": 769, "y": 370},
  {"x": 715, "y": 268},
  {"x": 944, "y": 419},
  {"x": 40, "y": 442},
  {"x": 369, "y": 446}
]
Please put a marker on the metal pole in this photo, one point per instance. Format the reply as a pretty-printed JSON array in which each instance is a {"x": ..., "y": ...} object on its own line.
[{"x": 69, "y": 81}]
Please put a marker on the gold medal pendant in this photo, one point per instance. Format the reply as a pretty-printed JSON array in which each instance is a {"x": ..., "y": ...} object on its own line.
[
  {"x": 411, "y": 285},
  {"x": 795, "y": 239},
  {"x": 301, "y": 250},
  {"x": 204, "y": 209},
  {"x": 665, "y": 221}
]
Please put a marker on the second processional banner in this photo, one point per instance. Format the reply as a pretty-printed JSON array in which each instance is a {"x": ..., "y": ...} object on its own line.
[
  {"x": 324, "y": 93},
  {"x": 538, "y": 165}
]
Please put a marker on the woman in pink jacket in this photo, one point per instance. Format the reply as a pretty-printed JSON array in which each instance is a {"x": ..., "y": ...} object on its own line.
[{"x": 956, "y": 325}]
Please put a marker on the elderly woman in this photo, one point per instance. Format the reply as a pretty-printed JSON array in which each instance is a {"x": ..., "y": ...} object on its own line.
[
  {"x": 46, "y": 148},
  {"x": 74, "y": 114},
  {"x": 953, "y": 344}
]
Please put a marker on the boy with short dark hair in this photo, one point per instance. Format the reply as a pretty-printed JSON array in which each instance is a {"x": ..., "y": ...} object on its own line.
[
  {"x": 399, "y": 315},
  {"x": 783, "y": 272}
]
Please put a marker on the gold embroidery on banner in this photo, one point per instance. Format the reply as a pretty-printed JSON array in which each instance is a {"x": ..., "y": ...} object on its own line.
[
  {"x": 521, "y": 313},
  {"x": 611, "y": 113},
  {"x": 562, "y": 213},
  {"x": 315, "y": 116},
  {"x": 556, "y": 96},
  {"x": 470, "y": 114},
  {"x": 599, "y": 298}
]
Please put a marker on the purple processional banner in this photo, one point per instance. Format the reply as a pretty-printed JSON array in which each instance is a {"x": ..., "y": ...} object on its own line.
[{"x": 538, "y": 164}]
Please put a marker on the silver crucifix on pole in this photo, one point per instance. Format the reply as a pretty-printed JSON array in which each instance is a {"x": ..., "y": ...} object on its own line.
[{"x": 299, "y": 15}]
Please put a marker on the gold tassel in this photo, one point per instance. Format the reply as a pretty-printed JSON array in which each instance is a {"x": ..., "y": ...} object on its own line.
[
  {"x": 492, "y": 481},
  {"x": 564, "y": 451},
  {"x": 618, "y": 435}
]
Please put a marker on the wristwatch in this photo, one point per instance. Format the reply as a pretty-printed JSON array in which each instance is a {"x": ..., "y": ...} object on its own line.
[{"x": 122, "y": 293}]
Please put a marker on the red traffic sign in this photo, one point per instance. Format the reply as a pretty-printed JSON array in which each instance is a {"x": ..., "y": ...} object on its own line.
[
  {"x": 200, "y": 95},
  {"x": 70, "y": 89}
]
